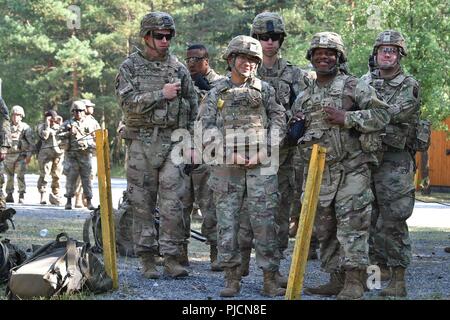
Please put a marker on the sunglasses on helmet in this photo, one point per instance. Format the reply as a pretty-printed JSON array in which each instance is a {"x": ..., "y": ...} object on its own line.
[
  {"x": 388, "y": 50},
  {"x": 78, "y": 110},
  {"x": 267, "y": 36},
  {"x": 160, "y": 36}
]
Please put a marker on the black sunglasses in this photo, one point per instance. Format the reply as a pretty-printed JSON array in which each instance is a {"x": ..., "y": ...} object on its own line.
[
  {"x": 267, "y": 36},
  {"x": 160, "y": 36},
  {"x": 194, "y": 59},
  {"x": 78, "y": 110}
]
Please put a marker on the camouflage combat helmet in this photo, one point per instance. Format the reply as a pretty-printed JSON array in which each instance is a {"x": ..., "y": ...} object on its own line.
[
  {"x": 390, "y": 38},
  {"x": 267, "y": 22},
  {"x": 78, "y": 105},
  {"x": 244, "y": 45},
  {"x": 327, "y": 40},
  {"x": 156, "y": 21},
  {"x": 18, "y": 110}
]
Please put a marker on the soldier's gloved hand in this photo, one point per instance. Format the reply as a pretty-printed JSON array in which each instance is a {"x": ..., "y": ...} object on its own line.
[
  {"x": 335, "y": 116},
  {"x": 201, "y": 82},
  {"x": 170, "y": 90}
]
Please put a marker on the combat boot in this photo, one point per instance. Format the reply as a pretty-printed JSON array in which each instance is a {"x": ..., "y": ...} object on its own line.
[
  {"x": 332, "y": 288},
  {"x": 68, "y": 205},
  {"x": 245, "y": 262},
  {"x": 159, "y": 260},
  {"x": 9, "y": 198},
  {"x": 213, "y": 256},
  {"x": 293, "y": 226},
  {"x": 148, "y": 266},
  {"x": 183, "y": 258},
  {"x": 281, "y": 280},
  {"x": 172, "y": 267},
  {"x": 89, "y": 204},
  {"x": 271, "y": 288},
  {"x": 397, "y": 286},
  {"x": 21, "y": 197},
  {"x": 54, "y": 199},
  {"x": 78, "y": 200},
  {"x": 353, "y": 288},
  {"x": 43, "y": 198},
  {"x": 232, "y": 282},
  {"x": 385, "y": 272}
]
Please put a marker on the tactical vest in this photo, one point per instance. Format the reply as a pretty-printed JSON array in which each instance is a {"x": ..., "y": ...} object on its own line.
[
  {"x": 397, "y": 135},
  {"x": 337, "y": 142},
  {"x": 281, "y": 80},
  {"x": 242, "y": 108},
  {"x": 151, "y": 76}
]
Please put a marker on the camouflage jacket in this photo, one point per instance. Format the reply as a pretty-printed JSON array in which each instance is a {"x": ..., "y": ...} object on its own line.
[
  {"x": 402, "y": 93},
  {"x": 287, "y": 80},
  {"x": 22, "y": 140},
  {"x": 260, "y": 101},
  {"x": 5, "y": 129},
  {"x": 93, "y": 126},
  {"x": 139, "y": 85},
  {"x": 365, "y": 113},
  {"x": 212, "y": 78},
  {"x": 76, "y": 135},
  {"x": 49, "y": 136}
]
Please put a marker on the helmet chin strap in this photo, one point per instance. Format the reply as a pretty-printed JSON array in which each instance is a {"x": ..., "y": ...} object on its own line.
[
  {"x": 333, "y": 70},
  {"x": 154, "y": 46},
  {"x": 233, "y": 66}
]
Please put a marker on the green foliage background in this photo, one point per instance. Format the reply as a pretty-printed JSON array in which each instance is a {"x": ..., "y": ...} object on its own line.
[{"x": 39, "y": 53}]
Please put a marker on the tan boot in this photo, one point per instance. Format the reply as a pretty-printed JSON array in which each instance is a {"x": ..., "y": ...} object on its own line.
[
  {"x": 43, "y": 198},
  {"x": 148, "y": 266},
  {"x": 232, "y": 282},
  {"x": 293, "y": 226},
  {"x": 159, "y": 261},
  {"x": 184, "y": 257},
  {"x": 78, "y": 200},
  {"x": 172, "y": 267},
  {"x": 397, "y": 286},
  {"x": 89, "y": 204},
  {"x": 271, "y": 288},
  {"x": 332, "y": 288},
  {"x": 353, "y": 287},
  {"x": 213, "y": 256},
  {"x": 281, "y": 280},
  {"x": 54, "y": 199},
  {"x": 385, "y": 272},
  {"x": 245, "y": 262}
]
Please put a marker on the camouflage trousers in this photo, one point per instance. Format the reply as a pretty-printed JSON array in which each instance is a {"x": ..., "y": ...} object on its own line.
[
  {"x": 14, "y": 164},
  {"x": 78, "y": 164},
  {"x": 50, "y": 170},
  {"x": 245, "y": 198},
  {"x": 343, "y": 218},
  {"x": 299, "y": 167},
  {"x": 203, "y": 197},
  {"x": 286, "y": 188},
  {"x": 146, "y": 185},
  {"x": 78, "y": 188},
  {"x": 393, "y": 182}
]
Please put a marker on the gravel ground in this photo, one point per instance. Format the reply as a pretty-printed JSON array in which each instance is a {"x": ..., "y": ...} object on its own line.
[{"x": 427, "y": 278}]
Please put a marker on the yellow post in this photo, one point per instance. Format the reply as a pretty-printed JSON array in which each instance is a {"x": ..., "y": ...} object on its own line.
[
  {"x": 106, "y": 208},
  {"x": 306, "y": 223}
]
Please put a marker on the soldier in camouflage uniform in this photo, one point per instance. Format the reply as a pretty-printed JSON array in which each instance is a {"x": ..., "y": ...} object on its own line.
[
  {"x": 288, "y": 81},
  {"x": 5, "y": 143},
  {"x": 93, "y": 125},
  {"x": 204, "y": 77},
  {"x": 157, "y": 97},
  {"x": 78, "y": 157},
  {"x": 241, "y": 191},
  {"x": 390, "y": 246},
  {"x": 341, "y": 114},
  {"x": 19, "y": 155},
  {"x": 50, "y": 157}
]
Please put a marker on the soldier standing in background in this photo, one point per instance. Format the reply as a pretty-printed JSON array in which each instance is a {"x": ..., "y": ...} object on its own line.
[
  {"x": 5, "y": 143},
  {"x": 204, "y": 77},
  {"x": 157, "y": 97},
  {"x": 50, "y": 157},
  {"x": 19, "y": 155},
  {"x": 78, "y": 156},
  {"x": 241, "y": 192},
  {"x": 345, "y": 116},
  {"x": 93, "y": 125},
  {"x": 393, "y": 180}
]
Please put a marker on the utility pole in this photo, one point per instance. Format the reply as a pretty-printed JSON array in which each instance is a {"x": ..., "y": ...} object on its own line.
[{"x": 74, "y": 23}]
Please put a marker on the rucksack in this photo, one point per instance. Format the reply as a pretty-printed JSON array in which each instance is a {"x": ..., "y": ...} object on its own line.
[
  {"x": 123, "y": 222},
  {"x": 10, "y": 256},
  {"x": 61, "y": 266}
]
